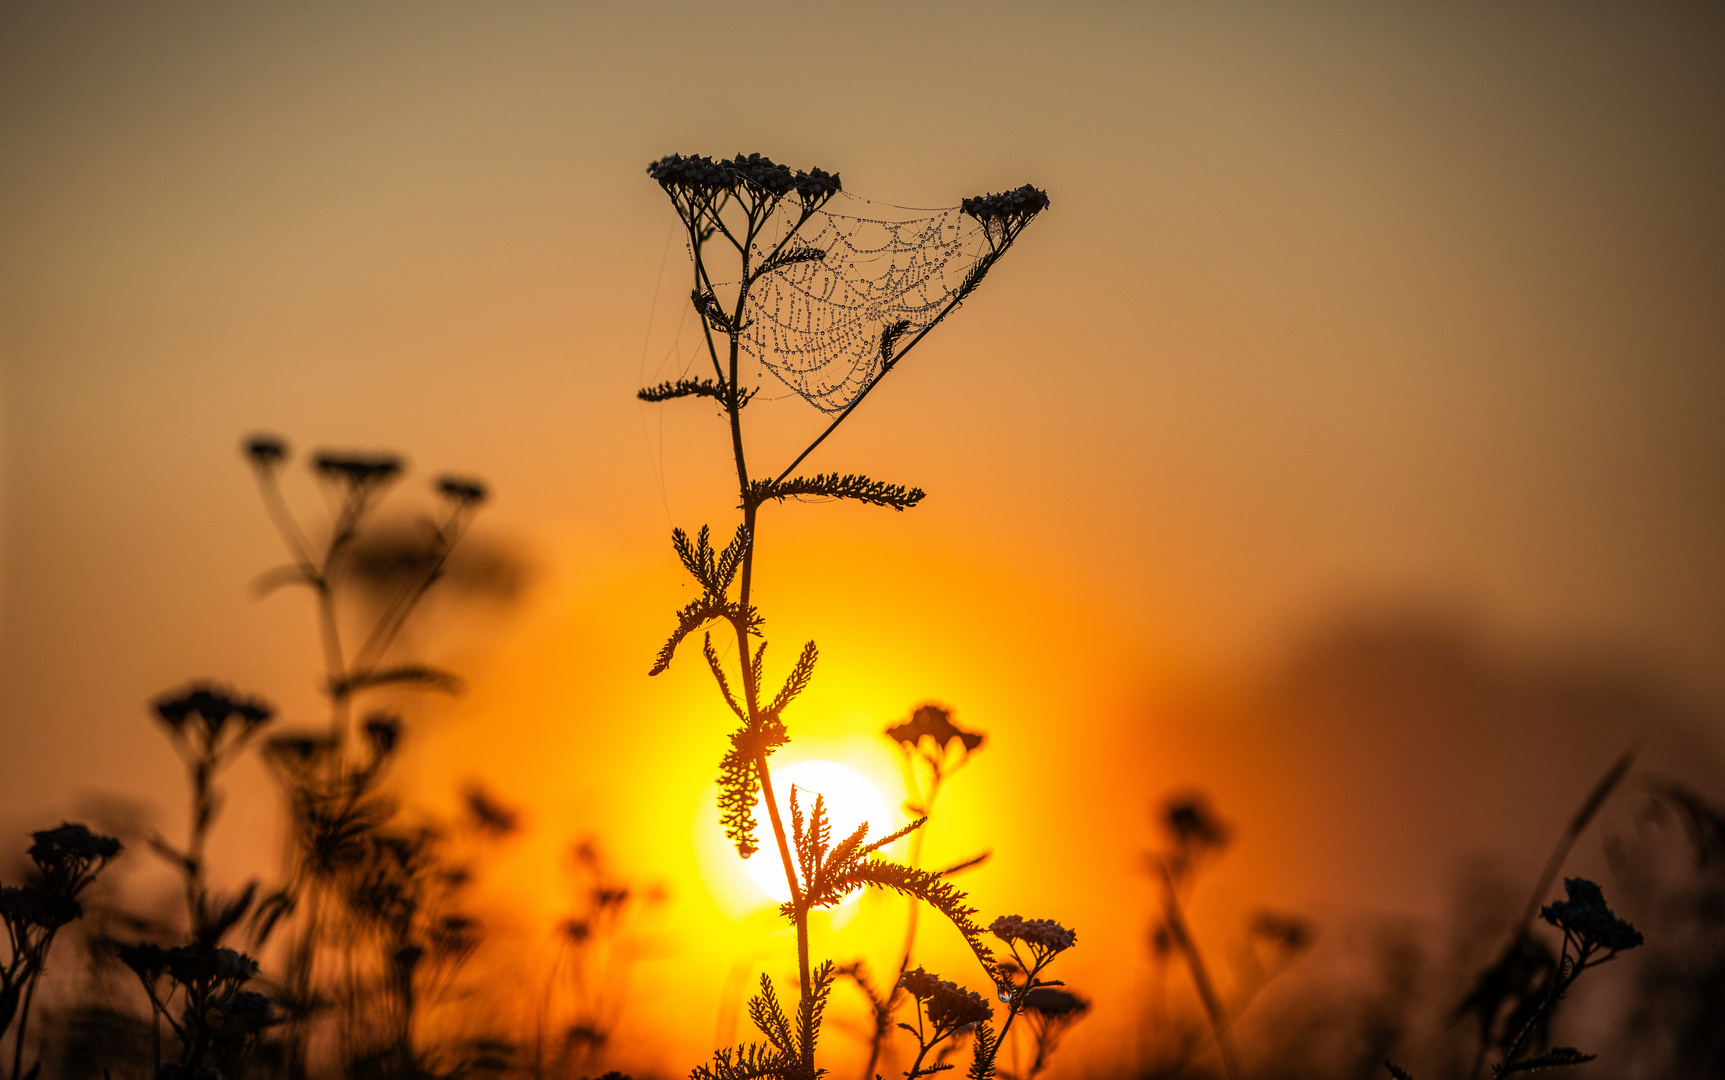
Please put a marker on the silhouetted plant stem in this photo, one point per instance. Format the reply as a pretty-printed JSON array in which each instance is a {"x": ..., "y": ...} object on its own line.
[
  {"x": 913, "y": 858},
  {"x": 733, "y": 400},
  {"x": 802, "y": 921},
  {"x": 751, "y": 689},
  {"x": 1175, "y": 920},
  {"x": 823, "y": 871},
  {"x": 23, "y": 1026}
]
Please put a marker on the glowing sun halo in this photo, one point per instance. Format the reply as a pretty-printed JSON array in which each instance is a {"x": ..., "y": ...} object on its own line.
[{"x": 850, "y": 800}]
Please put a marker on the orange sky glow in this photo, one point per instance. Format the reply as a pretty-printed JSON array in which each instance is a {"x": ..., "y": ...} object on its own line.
[{"x": 1355, "y": 407}]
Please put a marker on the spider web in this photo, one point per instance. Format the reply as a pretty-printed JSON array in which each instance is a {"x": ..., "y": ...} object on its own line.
[{"x": 817, "y": 325}]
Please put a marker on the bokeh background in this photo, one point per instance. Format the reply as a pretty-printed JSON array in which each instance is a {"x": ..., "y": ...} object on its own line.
[{"x": 1345, "y": 442}]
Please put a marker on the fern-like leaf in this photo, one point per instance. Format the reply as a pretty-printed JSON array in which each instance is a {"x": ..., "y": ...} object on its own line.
[
  {"x": 712, "y": 569},
  {"x": 1556, "y": 1057},
  {"x": 739, "y": 782},
  {"x": 671, "y": 389},
  {"x": 750, "y": 1061},
  {"x": 714, "y": 572},
  {"x": 797, "y": 681},
  {"x": 412, "y": 674},
  {"x": 889, "y": 336},
  {"x": 724, "y": 568},
  {"x": 895, "y": 836},
  {"x": 931, "y": 889},
  {"x": 697, "y": 558},
  {"x": 790, "y": 257},
  {"x": 968, "y": 864},
  {"x": 809, "y": 1025},
  {"x": 737, "y": 791},
  {"x": 978, "y": 271},
  {"x": 830, "y": 873},
  {"x": 812, "y": 840},
  {"x": 834, "y": 486},
  {"x": 1397, "y": 1071},
  {"x": 698, "y": 613},
  {"x": 707, "y": 306},
  {"x": 840, "y": 856},
  {"x": 764, "y": 1010},
  {"x": 694, "y": 557},
  {"x": 982, "y": 1053}
]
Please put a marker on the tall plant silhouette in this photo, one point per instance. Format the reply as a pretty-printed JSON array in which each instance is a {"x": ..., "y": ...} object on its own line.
[
  {"x": 199, "y": 988},
  {"x": 770, "y": 284},
  {"x": 372, "y": 901}
]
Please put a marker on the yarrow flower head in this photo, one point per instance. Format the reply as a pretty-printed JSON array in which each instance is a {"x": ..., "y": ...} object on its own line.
[
  {"x": 358, "y": 470},
  {"x": 1052, "y": 1002},
  {"x": 1043, "y": 935},
  {"x": 215, "y": 707},
  {"x": 1586, "y": 916},
  {"x": 460, "y": 491},
  {"x": 935, "y": 723},
  {"x": 1005, "y": 215},
  {"x": 763, "y": 174},
  {"x": 702, "y": 178},
  {"x": 190, "y": 963},
  {"x": 1284, "y": 931},
  {"x": 70, "y": 843},
  {"x": 1192, "y": 824},
  {"x": 817, "y": 185},
  {"x": 300, "y": 754},
  {"x": 265, "y": 451},
  {"x": 949, "y": 1006},
  {"x": 147, "y": 961},
  {"x": 248, "y": 1012},
  {"x": 23, "y": 906}
]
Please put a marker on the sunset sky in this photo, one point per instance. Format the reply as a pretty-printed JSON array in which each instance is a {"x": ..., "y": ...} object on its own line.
[{"x": 1356, "y": 335}]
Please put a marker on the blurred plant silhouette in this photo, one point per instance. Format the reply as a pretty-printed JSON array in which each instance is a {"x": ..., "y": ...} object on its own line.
[
  {"x": 1193, "y": 837},
  {"x": 199, "y": 987},
  {"x": 1673, "y": 1025},
  {"x": 371, "y": 908},
  {"x": 67, "y": 860},
  {"x": 1049, "y": 1012},
  {"x": 832, "y": 333},
  {"x": 1592, "y": 936},
  {"x": 371, "y": 902},
  {"x": 583, "y": 996}
]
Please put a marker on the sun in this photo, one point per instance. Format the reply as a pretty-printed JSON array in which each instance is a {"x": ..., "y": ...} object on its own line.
[{"x": 850, "y": 800}]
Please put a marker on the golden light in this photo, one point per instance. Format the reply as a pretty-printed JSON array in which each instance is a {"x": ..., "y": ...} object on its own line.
[{"x": 850, "y": 801}]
